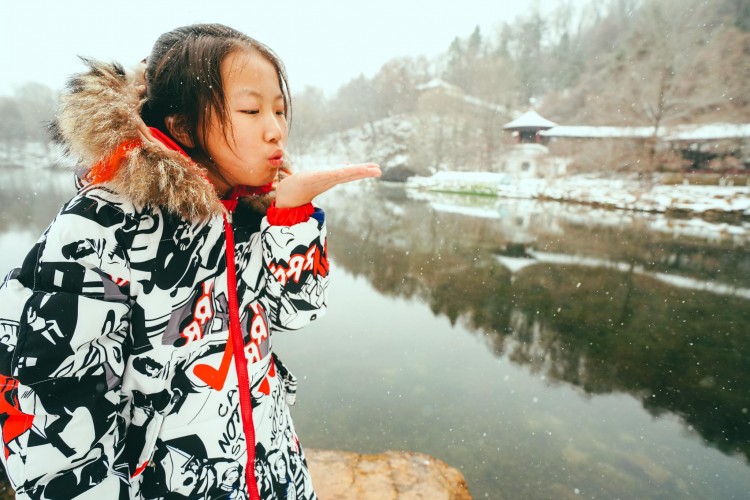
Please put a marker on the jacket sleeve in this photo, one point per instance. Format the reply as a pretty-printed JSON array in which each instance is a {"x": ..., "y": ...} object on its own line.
[
  {"x": 294, "y": 265},
  {"x": 64, "y": 317}
]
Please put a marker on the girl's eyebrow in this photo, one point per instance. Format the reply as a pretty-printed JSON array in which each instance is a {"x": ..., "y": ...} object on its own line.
[
  {"x": 255, "y": 93},
  {"x": 246, "y": 90}
]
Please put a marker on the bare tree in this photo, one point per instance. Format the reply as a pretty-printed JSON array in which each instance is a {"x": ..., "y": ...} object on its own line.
[
  {"x": 724, "y": 77},
  {"x": 396, "y": 83},
  {"x": 311, "y": 120},
  {"x": 650, "y": 78},
  {"x": 38, "y": 103},
  {"x": 11, "y": 130},
  {"x": 25, "y": 117}
]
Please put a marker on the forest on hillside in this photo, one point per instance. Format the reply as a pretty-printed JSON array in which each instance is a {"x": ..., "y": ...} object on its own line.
[
  {"x": 602, "y": 62},
  {"x": 618, "y": 62}
]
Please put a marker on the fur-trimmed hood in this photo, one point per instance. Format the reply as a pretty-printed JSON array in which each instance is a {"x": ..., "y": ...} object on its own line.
[{"x": 99, "y": 111}]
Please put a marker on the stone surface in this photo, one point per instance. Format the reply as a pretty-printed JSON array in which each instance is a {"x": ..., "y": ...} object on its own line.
[{"x": 341, "y": 475}]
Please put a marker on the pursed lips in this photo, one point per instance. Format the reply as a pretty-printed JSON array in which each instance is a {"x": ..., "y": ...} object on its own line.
[{"x": 277, "y": 158}]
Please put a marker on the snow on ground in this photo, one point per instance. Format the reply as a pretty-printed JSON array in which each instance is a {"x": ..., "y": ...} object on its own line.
[
  {"x": 604, "y": 194},
  {"x": 712, "y": 131},
  {"x": 693, "y": 228},
  {"x": 622, "y": 193}
]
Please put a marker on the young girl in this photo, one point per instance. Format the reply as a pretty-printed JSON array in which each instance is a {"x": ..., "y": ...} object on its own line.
[{"x": 136, "y": 337}]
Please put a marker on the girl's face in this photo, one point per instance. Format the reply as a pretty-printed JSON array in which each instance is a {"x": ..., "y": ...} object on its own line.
[{"x": 251, "y": 152}]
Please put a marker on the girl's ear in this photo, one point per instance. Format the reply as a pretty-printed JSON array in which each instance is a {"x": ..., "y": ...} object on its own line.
[{"x": 178, "y": 129}]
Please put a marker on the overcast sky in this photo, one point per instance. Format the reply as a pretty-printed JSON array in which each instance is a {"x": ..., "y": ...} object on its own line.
[{"x": 324, "y": 43}]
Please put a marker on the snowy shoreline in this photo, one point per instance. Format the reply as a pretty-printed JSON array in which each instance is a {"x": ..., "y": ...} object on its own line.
[{"x": 709, "y": 202}]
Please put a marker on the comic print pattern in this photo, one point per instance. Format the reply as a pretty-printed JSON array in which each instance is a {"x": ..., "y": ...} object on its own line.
[{"x": 116, "y": 375}]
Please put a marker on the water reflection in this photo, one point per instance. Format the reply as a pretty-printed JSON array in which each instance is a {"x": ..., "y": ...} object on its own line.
[
  {"x": 550, "y": 304},
  {"x": 30, "y": 198},
  {"x": 607, "y": 307}
]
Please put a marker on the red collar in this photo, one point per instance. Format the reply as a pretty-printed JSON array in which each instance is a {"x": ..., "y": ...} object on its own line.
[
  {"x": 167, "y": 141},
  {"x": 238, "y": 191}
]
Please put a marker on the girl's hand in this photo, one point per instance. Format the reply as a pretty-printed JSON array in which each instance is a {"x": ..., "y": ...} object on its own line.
[
  {"x": 300, "y": 189},
  {"x": 143, "y": 131},
  {"x": 146, "y": 136}
]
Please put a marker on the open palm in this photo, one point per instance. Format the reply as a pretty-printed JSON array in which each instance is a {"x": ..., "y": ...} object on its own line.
[{"x": 300, "y": 188}]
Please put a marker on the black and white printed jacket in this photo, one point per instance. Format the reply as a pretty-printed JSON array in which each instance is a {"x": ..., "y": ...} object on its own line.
[{"x": 135, "y": 339}]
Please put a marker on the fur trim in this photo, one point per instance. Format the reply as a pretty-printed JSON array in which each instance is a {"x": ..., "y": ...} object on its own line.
[{"x": 99, "y": 110}]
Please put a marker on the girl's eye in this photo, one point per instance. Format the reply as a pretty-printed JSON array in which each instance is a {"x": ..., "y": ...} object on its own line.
[
  {"x": 250, "y": 111},
  {"x": 280, "y": 113}
]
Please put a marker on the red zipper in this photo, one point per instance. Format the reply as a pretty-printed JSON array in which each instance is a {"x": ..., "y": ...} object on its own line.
[{"x": 240, "y": 361}]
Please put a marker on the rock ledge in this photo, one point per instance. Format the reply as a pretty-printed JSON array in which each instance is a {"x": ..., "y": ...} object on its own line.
[{"x": 398, "y": 475}]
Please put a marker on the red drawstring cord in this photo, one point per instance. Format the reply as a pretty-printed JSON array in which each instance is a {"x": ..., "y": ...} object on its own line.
[{"x": 240, "y": 361}]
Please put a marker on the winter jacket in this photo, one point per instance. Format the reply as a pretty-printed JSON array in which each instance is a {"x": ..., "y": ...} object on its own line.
[{"x": 135, "y": 340}]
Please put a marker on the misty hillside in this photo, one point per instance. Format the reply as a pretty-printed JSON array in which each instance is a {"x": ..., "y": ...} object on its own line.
[
  {"x": 646, "y": 63},
  {"x": 649, "y": 63}
]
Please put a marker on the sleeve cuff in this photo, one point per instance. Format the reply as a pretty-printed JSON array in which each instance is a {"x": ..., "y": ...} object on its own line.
[{"x": 288, "y": 216}]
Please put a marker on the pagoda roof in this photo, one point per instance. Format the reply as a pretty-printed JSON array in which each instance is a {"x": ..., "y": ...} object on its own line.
[{"x": 530, "y": 119}]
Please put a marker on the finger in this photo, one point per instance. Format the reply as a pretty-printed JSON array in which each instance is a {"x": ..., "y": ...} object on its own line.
[
  {"x": 328, "y": 178},
  {"x": 360, "y": 172},
  {"x": 354, "y": 172},
  {"x": 341, "y": 176},
  {"x": 144, "y": 131},
  {"x": 304, "y": 186},
  {"x": 359, "y": 165},
  {"x": 146, "y": 136},
  {"x": 333, "y": 179}
]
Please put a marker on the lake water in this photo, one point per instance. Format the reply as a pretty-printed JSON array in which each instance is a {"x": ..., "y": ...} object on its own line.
[{"x": 545, "y": 350}]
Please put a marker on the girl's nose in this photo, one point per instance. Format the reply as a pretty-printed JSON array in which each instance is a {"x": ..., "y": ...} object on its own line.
[{"x": 274, "y": 130}]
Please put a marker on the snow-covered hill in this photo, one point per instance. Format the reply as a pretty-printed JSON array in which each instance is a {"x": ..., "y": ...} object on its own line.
[{"x": 384, "y": 142}]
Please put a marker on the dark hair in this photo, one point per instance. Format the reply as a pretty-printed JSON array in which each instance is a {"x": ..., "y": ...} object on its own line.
[{"x": 183, "y": 77}]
